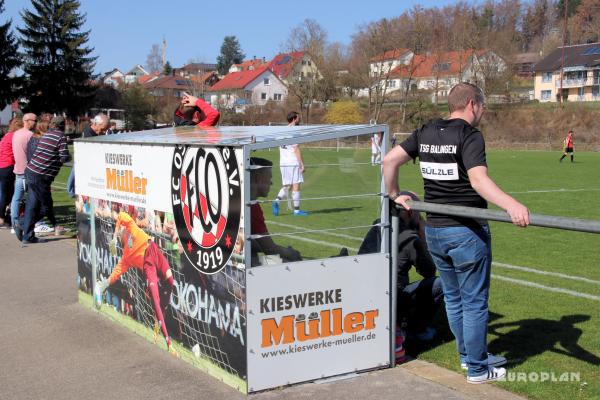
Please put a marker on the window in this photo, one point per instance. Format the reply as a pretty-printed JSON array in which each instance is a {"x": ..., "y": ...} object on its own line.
[
  {"x": 580, "y": 92},
  {"x": 596, "y": 91},
  {"x": 263, "y": 96},
  {"x": 441, "y": 67},
  {"x": 266, "y": 81},
  {"x": 278, "y": 97},
  {"x": 546, "y": 94},
  {"x": 391, "y": 83},
  {"x": 547, "y": 77}
]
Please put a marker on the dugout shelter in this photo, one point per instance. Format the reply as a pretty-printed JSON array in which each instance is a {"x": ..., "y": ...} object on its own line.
[{"x": 188, "y": 189}]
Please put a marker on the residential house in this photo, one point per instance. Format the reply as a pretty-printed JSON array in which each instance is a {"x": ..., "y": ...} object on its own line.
[
  {"x": 112, "y": 78},
  {"x": 147, "y": 78},
  {"x": 437, "y": 72},
  {"x": 581, "y": 74},
  {"x": 194, "y": 69},
  {"x": 295, "y": 66},
  {"x": 135, "y": 74},
  {"x": 523, "y": 64},
  {"x": 248, "y": 65},
  {"x": 250, "y": 87},
  {"x": 382, "y": 64},
  {"x": 169, "y": 86}
]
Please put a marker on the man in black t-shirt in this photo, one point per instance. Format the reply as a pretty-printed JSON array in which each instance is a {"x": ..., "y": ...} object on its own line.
[{"x": 453, "y": 165}]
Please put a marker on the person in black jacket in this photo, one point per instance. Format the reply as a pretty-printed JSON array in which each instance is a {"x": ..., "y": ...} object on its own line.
[{"x": 417, "y": 302}]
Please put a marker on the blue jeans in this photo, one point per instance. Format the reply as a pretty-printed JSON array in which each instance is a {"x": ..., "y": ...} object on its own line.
[
  {"x": 463, "y": 257},
  {"x": 17, "y": 197},
  {"x": 39, "y": 204},
  {"x": 71, "y": 183}
]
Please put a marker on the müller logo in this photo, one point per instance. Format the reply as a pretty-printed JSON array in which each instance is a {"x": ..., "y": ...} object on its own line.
[
  {"x": 298, "y": 328},
  {"x": 206, "y": 200}
]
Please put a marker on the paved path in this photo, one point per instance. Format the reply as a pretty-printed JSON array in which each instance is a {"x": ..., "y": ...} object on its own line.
[{"x": 53, "y": 348}]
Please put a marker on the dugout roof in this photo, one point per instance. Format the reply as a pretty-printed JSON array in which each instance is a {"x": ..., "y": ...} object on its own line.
[{"x": 252, "y": 136}]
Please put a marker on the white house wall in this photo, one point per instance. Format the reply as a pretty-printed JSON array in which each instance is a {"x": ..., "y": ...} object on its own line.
[{"x": 275, "y": 86}]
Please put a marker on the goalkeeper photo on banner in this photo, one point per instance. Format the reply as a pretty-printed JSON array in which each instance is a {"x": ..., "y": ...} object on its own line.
[{"x": 139, "y": 251}]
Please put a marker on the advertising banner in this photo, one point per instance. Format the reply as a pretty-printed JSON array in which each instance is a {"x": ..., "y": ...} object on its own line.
[
  {"x": 168, "y": 247},
  {"x": 317, "y": 319}
]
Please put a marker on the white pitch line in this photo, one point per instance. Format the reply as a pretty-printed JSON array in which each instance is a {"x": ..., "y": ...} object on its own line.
[
  {"x": 537, "y": 271},
  {"x": 340, "y": 235},
  {"x": 499, "y": 277},
  {"x": 556, "y": 191},
  {"x": 547, "y": 288}
]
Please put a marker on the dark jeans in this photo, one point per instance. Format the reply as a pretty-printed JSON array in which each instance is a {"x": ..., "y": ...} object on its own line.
[
  {"x": 418, "y": 302},
  {"x": 7, "y": 187},
  {"x": 39, "y": 203}
]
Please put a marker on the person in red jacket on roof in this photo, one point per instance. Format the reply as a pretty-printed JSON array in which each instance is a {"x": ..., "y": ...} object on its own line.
[{"x": 195, "y": 111}]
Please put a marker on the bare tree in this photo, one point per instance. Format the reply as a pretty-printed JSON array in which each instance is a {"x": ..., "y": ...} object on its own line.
[
  {"x": 154, "y": 59},
  {"x": 311, "y": 38}
]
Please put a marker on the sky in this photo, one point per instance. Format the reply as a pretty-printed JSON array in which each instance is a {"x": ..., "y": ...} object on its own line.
[{"x": 122, "y": 32}]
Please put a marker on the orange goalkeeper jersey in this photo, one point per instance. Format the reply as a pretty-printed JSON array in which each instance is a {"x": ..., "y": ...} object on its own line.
[{"x": 134, "y": 241}]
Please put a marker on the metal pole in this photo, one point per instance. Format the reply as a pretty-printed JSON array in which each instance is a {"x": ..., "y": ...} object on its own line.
[
  {"x": 547, "y": 221},
  {"x": 393, "y": 280},
  {"x": 93, "y": 249},
  {"x": 562, "y": 57}
]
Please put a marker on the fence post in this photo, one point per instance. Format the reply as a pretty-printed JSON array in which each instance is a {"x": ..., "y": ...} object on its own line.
[{"x": 393, "y": 279}]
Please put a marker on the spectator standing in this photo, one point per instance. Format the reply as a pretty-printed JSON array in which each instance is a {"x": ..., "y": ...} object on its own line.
[
  {"x": 51, "y": 152},
  {"x": 41, "y": 128},
  {"x": 454, "y": 170},
  {"x": 195, "y": 111},
  {"x": 7, "y": 164},
  {"x": 19, "y": 144}
]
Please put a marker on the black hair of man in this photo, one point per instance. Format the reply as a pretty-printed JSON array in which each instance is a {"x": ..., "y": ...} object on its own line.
[
  {"x": 292, "y": 115},
  {"x": 260, "y": 162}
]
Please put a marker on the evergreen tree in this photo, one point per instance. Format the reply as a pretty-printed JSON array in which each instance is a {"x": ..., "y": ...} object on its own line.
[
  {"x": 9, "y": 60},
  {"x": 231, "y": 53},
  {"x": 58, "y": 67},
  {"x": 167, "y": 69}
]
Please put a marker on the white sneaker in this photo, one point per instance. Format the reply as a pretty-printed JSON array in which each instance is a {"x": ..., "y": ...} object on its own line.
[
  {"x": 492, "y": 374},
  {"x": 43, "y": 229},
  {"x": 493, "y": 361}
]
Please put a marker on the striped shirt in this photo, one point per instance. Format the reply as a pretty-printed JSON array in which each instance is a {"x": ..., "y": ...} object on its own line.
[{"x": 50, "y": 153}]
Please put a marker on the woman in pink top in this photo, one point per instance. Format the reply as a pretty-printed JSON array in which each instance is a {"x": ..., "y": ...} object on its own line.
[{"x": 7, "y": 162}]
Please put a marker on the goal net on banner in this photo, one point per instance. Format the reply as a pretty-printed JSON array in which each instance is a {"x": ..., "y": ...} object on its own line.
[{"x": 130, "y": 296}]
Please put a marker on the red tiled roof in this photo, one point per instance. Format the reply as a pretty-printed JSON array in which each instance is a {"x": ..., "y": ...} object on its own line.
[
  {"x": 284, "y": 63},
  {"x": 424, "y": 66},
  {"x": 246, "y": 65},
  {"x": 147, "y": 78},
  {"x": 390, "y": 55},
  {"x": 238, "y": 80}
]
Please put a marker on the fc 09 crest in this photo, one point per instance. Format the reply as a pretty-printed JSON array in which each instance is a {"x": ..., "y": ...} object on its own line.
[{"x": 205, "y": 194}]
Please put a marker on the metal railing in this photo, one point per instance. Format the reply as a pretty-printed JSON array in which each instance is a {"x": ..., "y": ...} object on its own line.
[{"x": 546, "y": 221}]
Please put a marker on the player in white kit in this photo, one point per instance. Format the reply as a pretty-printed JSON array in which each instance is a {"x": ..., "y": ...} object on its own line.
[
  {"x": 376, "y": 148},
  {"x": 292, "y": 169}
]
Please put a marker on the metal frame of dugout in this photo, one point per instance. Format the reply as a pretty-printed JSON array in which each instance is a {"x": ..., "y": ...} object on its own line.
[{"x": 253, "y": 327}]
